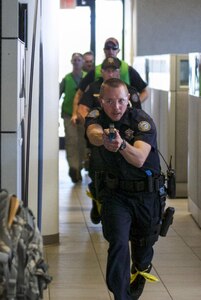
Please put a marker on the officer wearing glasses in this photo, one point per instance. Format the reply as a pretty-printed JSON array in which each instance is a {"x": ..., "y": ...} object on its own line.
[
  {"x": 127, "y": 73},
  {"x": 127, "y": 179},
  {"x": 110, "y": 68}
]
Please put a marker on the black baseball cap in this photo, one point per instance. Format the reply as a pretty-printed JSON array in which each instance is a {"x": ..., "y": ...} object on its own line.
[{"x": 111, "y": 62}]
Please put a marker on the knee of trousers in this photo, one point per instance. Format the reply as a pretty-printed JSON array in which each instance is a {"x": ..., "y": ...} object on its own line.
[{"x": 146, "y": 239}]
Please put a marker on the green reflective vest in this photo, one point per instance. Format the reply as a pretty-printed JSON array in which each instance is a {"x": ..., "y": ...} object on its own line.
[{"x": 70, "y": 90}]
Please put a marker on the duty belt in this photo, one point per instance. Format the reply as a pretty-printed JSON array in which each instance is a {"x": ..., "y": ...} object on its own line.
[
  {"x": 135, "y": 186},
  {"x": 132, "y": 186}
]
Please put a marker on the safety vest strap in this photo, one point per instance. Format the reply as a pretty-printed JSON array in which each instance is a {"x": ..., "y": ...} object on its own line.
[
  {"x": 124, "y": 73},
  {"x": 98, "y": 72}
]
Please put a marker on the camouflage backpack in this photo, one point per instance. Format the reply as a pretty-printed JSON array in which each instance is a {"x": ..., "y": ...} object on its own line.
[{"x": 23, "y": 271}]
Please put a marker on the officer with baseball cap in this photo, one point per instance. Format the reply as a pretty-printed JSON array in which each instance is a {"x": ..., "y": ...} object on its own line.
[
  {"x": 111, "y": 62},
  {"x": 111, "y": 43}
]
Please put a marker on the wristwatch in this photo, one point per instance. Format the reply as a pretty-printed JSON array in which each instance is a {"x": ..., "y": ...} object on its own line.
[{"x": 123, "y": 145}]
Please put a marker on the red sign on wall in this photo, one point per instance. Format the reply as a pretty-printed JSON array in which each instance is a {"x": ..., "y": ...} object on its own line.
[{"x": 68, "y": 3}]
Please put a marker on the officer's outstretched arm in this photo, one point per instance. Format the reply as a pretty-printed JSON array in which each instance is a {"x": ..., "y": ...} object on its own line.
[
  {"x": 95, "y": 134},
  {"x": 136, "y": 154}
]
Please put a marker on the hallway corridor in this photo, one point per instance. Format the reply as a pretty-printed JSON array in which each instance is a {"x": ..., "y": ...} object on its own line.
[{"x": 78, "y": 263}]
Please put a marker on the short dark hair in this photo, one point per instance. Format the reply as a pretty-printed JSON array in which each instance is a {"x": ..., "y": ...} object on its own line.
[
  {"x": 112, "y": 82},
  {"x": 88, "y": 53},
  {"x": 77, "y": 54}
]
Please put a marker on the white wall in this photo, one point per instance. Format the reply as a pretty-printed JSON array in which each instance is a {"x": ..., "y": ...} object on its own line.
[{"x": 51, "y": 102}]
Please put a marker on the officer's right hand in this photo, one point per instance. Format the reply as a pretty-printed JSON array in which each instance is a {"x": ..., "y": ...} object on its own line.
[{"x": 113, "y": 145}]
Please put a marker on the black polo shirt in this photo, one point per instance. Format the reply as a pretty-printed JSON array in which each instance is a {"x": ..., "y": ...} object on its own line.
[{"x": 135, "y": 125}]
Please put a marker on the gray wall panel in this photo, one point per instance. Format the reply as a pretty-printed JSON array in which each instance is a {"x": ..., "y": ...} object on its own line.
[
  {"x": 9, "y": 18},
  {"x": 198, "y": 136},
  {"x": 168, "y": 26},
  {"x": 181, "y": 138},
  {"x": 193, "y": 149}
]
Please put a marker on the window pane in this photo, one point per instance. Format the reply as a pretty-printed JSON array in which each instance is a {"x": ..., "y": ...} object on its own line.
[
  {"x": 109, "y": 23},
  {"x": 74, "y": 35}
]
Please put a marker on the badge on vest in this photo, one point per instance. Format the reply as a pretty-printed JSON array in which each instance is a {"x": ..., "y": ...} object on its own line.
[
  {"x": 144, "y": 126},
  {"x": 129, "y": 134}
]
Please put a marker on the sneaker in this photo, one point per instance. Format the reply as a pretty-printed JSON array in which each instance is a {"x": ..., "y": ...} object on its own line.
[
  {"x": 137, "y": 286},
  {"x": 94, "y": 214}
]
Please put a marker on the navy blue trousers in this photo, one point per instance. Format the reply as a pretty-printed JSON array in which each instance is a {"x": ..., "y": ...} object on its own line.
[{"x": 129, "y": 218}]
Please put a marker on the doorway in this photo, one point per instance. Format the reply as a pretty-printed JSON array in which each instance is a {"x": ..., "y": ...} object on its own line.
[{"x": 83, "y": 28}]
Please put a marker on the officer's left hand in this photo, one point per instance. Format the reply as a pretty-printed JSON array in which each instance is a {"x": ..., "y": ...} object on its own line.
[
  {"x": 74, "y": 120},
  {"x": 114, "y": 144}
]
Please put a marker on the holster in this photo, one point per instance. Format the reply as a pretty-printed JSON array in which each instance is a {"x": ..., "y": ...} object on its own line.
[{"x": 111, "y": 181}]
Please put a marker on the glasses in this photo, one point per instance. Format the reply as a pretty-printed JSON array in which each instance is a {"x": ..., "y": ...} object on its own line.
[
  {"x": 121, "y": 101},
  {"x": 111, "y": 48}
]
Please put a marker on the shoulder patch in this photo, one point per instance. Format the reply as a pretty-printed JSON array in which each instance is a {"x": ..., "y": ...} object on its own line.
[
  {"x": 144, "y": 126},
  {"x": 134, "y": 97},
  {"x": 94, "y": 114}
]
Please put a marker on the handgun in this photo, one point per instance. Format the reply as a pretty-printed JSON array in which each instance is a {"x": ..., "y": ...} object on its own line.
[{"x": 112, "y": 132}]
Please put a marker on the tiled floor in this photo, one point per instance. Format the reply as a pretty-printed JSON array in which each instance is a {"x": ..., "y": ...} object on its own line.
[{"x": 78, "y": 263}]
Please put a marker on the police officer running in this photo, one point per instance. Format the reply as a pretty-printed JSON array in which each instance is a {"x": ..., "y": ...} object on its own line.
[
  {"x": 110, "y": 68},
  {"x": 127, "y": 179}
]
